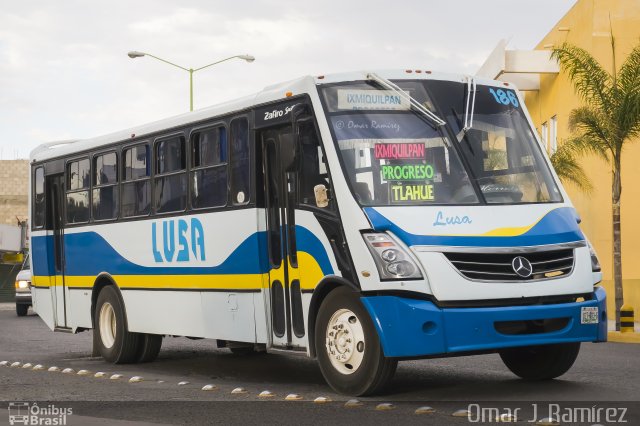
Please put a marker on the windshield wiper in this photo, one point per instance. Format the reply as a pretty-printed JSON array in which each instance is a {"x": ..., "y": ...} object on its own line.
[
  {"x": 417, "y": 105},
  {"x": 471, "y": 102}
]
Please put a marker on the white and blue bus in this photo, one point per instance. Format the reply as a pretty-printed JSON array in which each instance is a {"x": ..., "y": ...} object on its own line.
[{"x": 362, "y": 218}]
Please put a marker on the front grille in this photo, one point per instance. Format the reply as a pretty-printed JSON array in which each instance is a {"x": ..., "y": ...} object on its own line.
[{"x": 497, "y": 266}]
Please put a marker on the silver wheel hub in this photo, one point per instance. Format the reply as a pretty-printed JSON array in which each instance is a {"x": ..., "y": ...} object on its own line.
[
  {"x": 107, "y": 325},
  {"x": 344, "y": 341}
]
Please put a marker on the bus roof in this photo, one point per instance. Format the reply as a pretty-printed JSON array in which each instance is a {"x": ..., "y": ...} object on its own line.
[{"x": 271, "y": 93}]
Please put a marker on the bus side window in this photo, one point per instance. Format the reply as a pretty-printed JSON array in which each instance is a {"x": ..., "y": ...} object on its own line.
[
  {"x": 78, "y": 174},
  {"x": 313, "y": 170},
  {"x": 170, "y": 185},
  {"x": 105, "y": 186},
  {"x": 136, "y": 189},
  {"x": 209, "y": 168},
  {"x": 240, "y": 162},
  {"x": 38, "y": 198}
]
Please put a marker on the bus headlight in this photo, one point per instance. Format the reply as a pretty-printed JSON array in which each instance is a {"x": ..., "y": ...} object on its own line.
[
  {"x": 22, "y": 284},
  {"x": 595, "y": 263},
  {"x": 392, "y": 261}
]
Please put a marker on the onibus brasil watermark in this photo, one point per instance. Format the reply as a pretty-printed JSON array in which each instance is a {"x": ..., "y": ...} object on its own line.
[
  {"x": 33, "y": 413},
  {"x": 536, "y": 412}
]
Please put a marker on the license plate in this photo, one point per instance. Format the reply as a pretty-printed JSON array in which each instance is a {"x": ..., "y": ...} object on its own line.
[{"x": 589, "y": 315}]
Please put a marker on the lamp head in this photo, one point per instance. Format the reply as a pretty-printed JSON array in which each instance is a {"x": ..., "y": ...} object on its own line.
[
  {"x": 247, "y": 58},
  {"x": 135, "y": 54}
]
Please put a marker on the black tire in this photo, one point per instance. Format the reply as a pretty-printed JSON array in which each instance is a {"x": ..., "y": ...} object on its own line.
[
  {"x": 149, "y": 348},
  {"x": 541, "y": 362},
  {"x": 125, "y": 346},
  {"x": 22, "y": 310},
  {"x": 375, "y": 370}
]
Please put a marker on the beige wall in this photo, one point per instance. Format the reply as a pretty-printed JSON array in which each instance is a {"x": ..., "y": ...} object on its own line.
[
  {"x": 589, "y": 27},
  {"x": 14, "y": 187}
]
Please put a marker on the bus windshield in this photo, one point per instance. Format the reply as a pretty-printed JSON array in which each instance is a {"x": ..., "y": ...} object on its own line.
[{"x": 394, "y": 155}]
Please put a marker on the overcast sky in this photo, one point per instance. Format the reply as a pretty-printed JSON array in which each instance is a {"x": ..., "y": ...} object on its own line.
[{"x": 64, "y": 70}]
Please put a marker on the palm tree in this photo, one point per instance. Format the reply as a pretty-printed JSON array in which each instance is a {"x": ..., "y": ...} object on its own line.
[
  {"x": 609, "y": 119},
  {"x": 565, "y": 163}
]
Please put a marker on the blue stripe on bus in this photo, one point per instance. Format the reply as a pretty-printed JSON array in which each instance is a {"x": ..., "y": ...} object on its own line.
[
  {"x": 89, "y": 254},
  {"x": 557, "y": 226}
]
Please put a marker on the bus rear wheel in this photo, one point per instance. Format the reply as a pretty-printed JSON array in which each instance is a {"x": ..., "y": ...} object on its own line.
[
  {"x": 115, "y": 342},
  {"x": 149, "y": 348},
  {"x": 543, "y": 362},
  {"x": 348, "y": 348}
]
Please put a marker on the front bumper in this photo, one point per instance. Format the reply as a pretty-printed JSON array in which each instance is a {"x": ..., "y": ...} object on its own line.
[
  {"x": 23, "y": 298},
  {"x": 414, "y": 328}
]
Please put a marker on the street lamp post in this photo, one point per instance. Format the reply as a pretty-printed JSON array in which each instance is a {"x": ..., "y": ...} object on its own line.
[{"x": 134, "y": 54}]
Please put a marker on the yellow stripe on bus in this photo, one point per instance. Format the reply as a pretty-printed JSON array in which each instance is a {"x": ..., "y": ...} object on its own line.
[{"x": 308, "y": 271}]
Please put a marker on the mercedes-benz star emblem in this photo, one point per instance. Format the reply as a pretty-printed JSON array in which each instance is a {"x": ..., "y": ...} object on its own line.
[{"x": 522, "y": 267}]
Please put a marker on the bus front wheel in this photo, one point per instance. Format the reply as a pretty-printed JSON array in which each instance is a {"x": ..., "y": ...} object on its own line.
[
  {"x": 348, "y": 348},
  {"x": 115, "y": 342},
  {"x": 541, "y": 362}
]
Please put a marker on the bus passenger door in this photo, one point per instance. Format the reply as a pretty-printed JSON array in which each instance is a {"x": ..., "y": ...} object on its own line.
[
  {"x": 55, "y": 200},
  {"x": 285, "y": 301}
]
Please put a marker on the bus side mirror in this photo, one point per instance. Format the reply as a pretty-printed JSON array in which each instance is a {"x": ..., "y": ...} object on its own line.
[{"x": 289, "y": 152}]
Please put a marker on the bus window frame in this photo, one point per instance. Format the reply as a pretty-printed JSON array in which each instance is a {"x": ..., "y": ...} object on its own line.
[
  {"x": 123, "y": 181},
  {"x": 222, "y": 123},
  {"x": 33, "y": 196},
  {"x": 67, "y": 191},
  {"x": 117, "y": 185},
  {"x": 155, "y": 175},
  {"x": 250, "y": 200}
]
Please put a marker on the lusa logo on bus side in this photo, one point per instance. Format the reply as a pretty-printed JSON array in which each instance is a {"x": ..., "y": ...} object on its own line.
[{"x": 179, "y": 240}]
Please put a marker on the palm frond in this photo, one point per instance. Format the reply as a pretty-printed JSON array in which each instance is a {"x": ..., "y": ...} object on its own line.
[
  {"x": 589, "y": 79},
  {"x": 628, "y": 109},
  {"x": 565, "y": 163},
  {"x": 592, "y": 132}
]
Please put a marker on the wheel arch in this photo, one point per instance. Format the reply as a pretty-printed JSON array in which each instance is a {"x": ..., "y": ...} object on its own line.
[
  {"x": 322, "y": 290},
  {"x": 103, "y": 280}
]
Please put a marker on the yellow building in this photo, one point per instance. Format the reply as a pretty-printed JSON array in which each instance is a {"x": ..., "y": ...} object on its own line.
[{"x": 550, "y": 97}]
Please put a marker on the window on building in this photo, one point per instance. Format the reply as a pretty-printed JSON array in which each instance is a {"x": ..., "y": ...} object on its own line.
[
  {"x": 136, "y": 188},
  {"x": 105, "y": 186},
  {"x": 544, "y": 136},
  {"x": 38, "y": 198},
  {"x": 170, "y": 185},
  {"x": 240, "y": 162},
  {"x": 78, "y": 174},
  {"x": 209, "y": 168},
  {"x": 553, "y": 135}
]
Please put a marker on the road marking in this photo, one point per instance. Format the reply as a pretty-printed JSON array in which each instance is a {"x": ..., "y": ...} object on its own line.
[
  {"x": 266, "y": 394},
  {"x": 461, "y": 413},
  {"x": 183, "y": 383},
  {"x": 209, "y": 387},
  {"x": 425, "y": 410},
  {"x": 353, "y": 403},
  {"x": 293, "y": 397},
  {"x": 84, "y": 372},
  {"x": 16, "y": 364},
  {"x": 136, "y": 379},
  {"x": 68, "y": 371},
  {"x": 100, "y": 375},
  {"x": 321, "y": 400},
  {"x": 27, "y": 365},
  {"x": 385, "y": 406},
  {"x": 115, "y": 377},
  {"x": 38, "y": 367},
  {"x": 238, "y": 391},
  {"x": 53, "y": 369}
]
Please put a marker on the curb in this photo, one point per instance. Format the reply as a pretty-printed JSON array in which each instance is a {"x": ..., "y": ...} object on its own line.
[{"x": 618, "y": 337}]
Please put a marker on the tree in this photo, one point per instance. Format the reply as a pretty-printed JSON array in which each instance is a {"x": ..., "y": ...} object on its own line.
[
  {"x": 565, "y": 163},
  {"x": 609, "y": 119}
]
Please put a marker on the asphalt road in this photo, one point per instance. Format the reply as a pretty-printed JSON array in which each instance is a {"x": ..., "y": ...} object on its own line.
[{"x": 605, "y": 376}]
